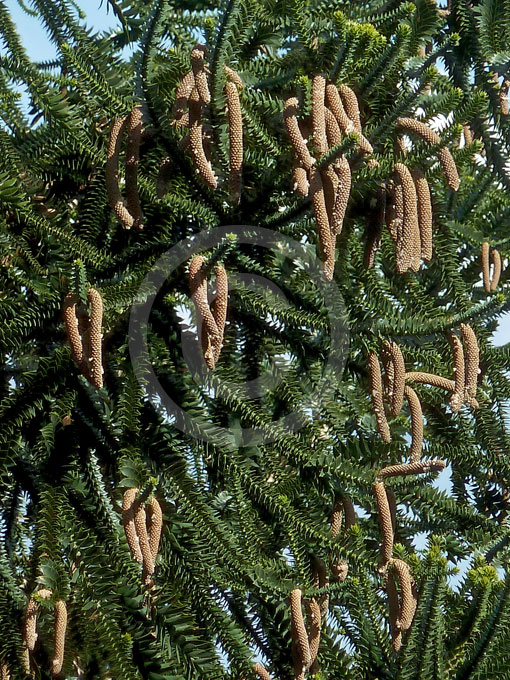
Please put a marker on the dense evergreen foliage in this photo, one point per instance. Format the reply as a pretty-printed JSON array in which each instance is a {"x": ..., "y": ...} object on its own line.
[{"x": 192, "y": 116}]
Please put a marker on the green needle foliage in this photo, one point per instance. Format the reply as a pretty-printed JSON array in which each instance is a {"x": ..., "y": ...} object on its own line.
[{"x": 247, "y": 501}]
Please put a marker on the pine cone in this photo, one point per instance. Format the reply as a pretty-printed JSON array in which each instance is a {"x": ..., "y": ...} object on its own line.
[
  {"x": 416, "y": 423},
  {"x": 472, "y": 356},
  {"x": 196, "y": 140},
  {"x": 59, "y": 637},
  {"x": 417, "y": 468},
  {"x": 95, "y": 338},
  {"x": 235, "y": 131},
  {"x": 377, "y": 396},
  {"x": 296, "y": 138},
  {"x": 385, "y": 522},
  {"x": 112, "y": 174},
  {"x": 128, "y": 521},
  {"x": 299, "y": 635},
  {"x": 199, "y": 72},
  {"x": 424, "y": 213},
  {"x": 318, "y": 114},
  {"x": 134, "y": 127}
]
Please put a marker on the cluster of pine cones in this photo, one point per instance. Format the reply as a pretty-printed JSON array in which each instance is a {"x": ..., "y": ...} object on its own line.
[{"x": 392, "y": 390}]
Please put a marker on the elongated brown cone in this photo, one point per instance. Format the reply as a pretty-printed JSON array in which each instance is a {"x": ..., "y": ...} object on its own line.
[
  {"x": 154, "y": 525},
  {"x": 418, "y": 468},
  {"x": 392, "y": 503},
  {"x": 416, "y": 423},
  {"x": 336, "y": 107},
  {"x": 330, "y": 183},
  {"x": 472, "y": 356},
  {"x": 343, "y": 192},
  {"x": 30, "y": 624},
  {"x": 234, "y": 77},
  {"x": 134, "y": 127},
  {"x": 72, "y": 328},
  {"x": 374, "y": 229},
  {"x": 503, "y": 97},
  {"x": 351, "y": 105},
  {"x": 444, "y": 155},
  {"x": 496, "y": 274},
  {"x": 393, "y": 610},
  {"x": 424, "y": 213},
  {"x": 333, "y": 134},
  {"x": 314, "y": 627},
  {"x": 95, "y": 338},
  {"x": 196, "y": 141},
  {"x": 346, "y": 125},
  {"x": 377, "y": 396},
  {"x": 25, "y": 662},
  {"x": 261, "y": 672},
  {"x": 430, "y": 379},
  {"x": 59, "y": 637},
  {"x": 128, "y": 521},
  {"x": 486, "y": 267},
  {"x": 408, "y": 253},
  {"x": 350, "y": 515},
  {"x": 199, "y": 71},
  {"x": 407, "y": 601},
  {"x": 5, "y": 673},
  {"x": 235, "y": 131},
  {"x": 318, "y": 114},
  {"x": 398, "y": 380},
  {"x": 385, "y": 523},
  {"x": 449, "y": 168},
  {"x": 205, "y": 321},
  {"x": 321, "y": 218},
  {"x": 336, "y": 517},
  {"x": 219, "y": 310},
  {"x": 296, "y": 138},
  {"x": 180, "y": 108},
  {"x": 141, "y": 532},
  {"x": 299, "y": 635},
  {"x": 300, "y": 180},
  {"x": 468, "y": 135},
  {"x": 420, "y": 129},
  {"x": 112, "y": 174},
  {"x": 457, "y": 398}
]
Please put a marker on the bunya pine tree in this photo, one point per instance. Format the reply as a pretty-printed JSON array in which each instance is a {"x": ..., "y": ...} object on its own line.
[{"x": 253, "y": 421}]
